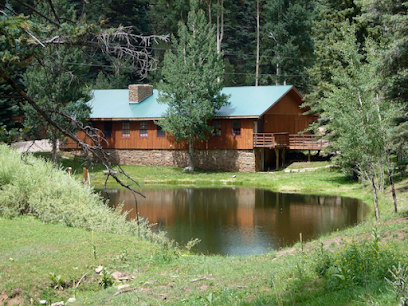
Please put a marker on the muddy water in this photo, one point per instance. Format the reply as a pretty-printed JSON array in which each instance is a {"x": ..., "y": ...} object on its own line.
[{"x": 240, "y": 221}]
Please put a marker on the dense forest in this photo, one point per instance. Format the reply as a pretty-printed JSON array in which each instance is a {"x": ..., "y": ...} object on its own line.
[
  {"x": 348, "y": 57},
  {"x": 295, "y": 36}
]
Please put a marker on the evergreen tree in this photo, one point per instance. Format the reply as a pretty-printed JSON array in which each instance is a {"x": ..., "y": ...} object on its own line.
[
  {"x": 239, "y": 43},
  {"x": 287, "y": 42},
  {"x": 58, "y": 93},
  {"x": 388, "y": 24},
  {"x": 129, "y": 13},
  {"x": 55, "y": 43},
  {"x": 10, "y": 104},
  {"x": 192, "y": 81},
  {"x": 328, "y": 18},
  {"x": 166, "y": 14}
]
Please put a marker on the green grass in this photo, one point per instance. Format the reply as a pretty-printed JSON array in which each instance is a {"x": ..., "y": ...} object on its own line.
[
  {"x": 344, "y": 268},
  {"x": 326, "y": 181},
  {"x": 32, "y": 250}
]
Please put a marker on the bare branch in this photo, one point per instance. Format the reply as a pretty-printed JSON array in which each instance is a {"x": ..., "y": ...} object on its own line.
[
  {"x": 37, "y": 12},
  {"x": 53, "y": 10},
  {"x": 121, "y": 43}
]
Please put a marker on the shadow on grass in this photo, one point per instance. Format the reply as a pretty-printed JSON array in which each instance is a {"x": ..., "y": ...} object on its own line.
[{"x": 77, "y": 163}]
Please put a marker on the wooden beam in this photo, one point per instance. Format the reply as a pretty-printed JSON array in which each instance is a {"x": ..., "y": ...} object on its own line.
[
  {"x": 283, "y": 157},
  {"x": 277, "y": 158}
]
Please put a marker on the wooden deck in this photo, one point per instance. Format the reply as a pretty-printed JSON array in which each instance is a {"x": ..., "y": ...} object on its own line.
[
  {"x": 307, "y": 142},
  {"x": 271, "y": 140},
  {"x": 290, "y": 141}
]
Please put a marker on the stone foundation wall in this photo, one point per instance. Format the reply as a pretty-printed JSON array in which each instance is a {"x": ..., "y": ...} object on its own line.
[{"x": 226, "y": 160}]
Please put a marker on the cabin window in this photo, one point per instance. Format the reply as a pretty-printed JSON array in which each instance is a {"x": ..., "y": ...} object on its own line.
[
  {"x": 217, "y": 127},
  {"x": 160, "y": 132},
  {"x": 143, "y": 129},
  {"x": 107, "y": 130},
  {"x": 236, "y": 127},
  {"x": 125, "y": 129}
]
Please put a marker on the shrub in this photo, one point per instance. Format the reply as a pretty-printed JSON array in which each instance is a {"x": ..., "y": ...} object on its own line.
[
  {"x": 357, "y": 263},
  {"x": 30, "y": 185}
]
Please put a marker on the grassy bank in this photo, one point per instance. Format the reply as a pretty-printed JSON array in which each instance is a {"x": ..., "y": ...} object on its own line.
[
  {"x": 310, "y": 177},
  {"x": 46, "y": 261},
  {"x": 41, "y": 260}
]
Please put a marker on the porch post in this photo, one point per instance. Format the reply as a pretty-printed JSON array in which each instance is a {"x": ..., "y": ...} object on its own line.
[
  {"x": 277, "y": 158},
  {"x": 283, "y": 157}
]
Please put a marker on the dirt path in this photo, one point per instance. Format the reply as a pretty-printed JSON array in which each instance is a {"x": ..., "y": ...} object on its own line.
[{"x": 43, "y": 145}]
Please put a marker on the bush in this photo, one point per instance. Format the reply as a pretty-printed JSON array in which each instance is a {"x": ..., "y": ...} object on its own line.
[
  {"x": 357, "y": 263},
  {"x": 30, "y": 185}
]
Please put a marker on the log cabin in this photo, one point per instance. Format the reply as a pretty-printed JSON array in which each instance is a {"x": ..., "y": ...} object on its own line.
[{"x": 253, "y": 133}]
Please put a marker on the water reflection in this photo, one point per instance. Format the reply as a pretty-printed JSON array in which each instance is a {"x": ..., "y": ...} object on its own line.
[{"x": 241, "y": 221}]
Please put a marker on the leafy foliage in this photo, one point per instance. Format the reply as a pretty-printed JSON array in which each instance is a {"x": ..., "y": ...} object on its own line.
[
  {"x": 355, "y": 115},
  {"x": 356, "y": 263},
  {"x": 192, "y": 82}
]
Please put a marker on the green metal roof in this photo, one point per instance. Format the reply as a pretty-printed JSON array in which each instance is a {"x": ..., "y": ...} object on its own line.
[{"x": 247, "y": 101}]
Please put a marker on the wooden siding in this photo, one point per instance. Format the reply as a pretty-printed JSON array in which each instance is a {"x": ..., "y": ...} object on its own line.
[
  {"x": 134, "y": 141},
  {"x": 227, "y": 140},
  {"x": 286, "y": 116}
]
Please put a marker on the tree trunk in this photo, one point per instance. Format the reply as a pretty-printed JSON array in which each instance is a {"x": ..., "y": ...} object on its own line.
[
  {"x": 54, "y": 147},
  {"x": 257, "y": 44},
  {"x": 400, "y": 156},
  {"x": 377, "y": 210},
  {"x": 190, "y": 155},
  {"x": 394, "y": 197},
  {"x": 209, "y": 13},
  {"x": 220, "y": 25}
]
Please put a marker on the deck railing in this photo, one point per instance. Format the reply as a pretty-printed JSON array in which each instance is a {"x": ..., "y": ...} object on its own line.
[
  {"x": 306, "y": 142},
  {"x": 271, "y": 140},
  {"x": 291, "y": 141}
]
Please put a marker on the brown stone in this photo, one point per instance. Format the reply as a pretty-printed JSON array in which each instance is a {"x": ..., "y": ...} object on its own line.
[
  {"x": 225, "y": 160},
  {"x": 139, "y": 92}
]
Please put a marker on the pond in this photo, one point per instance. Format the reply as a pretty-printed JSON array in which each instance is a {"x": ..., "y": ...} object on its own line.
[{"x": 240, "y": 221}]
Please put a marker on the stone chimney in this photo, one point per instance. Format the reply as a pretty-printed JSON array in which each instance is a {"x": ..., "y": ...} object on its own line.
[{"x": 139, "y": 92}]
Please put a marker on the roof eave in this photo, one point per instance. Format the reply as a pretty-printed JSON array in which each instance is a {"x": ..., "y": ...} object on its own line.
[
  {"x": 236, "y": 117},
  {"x": 281, "y": 97},
  {"x": 125, "y": 119}
]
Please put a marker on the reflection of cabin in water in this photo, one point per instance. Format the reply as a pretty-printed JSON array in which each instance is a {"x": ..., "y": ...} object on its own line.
[
  {"x": 253, "y": 133},
  {"x": 249, "y": 209}
]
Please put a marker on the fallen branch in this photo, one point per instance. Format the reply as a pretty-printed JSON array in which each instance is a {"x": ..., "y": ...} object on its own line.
[
  {"x": 124, "y": 291},
  {"x": 150, "y": 282},
  {"x": 200, "y": 279},
  {"x": 81, "y": 279}
]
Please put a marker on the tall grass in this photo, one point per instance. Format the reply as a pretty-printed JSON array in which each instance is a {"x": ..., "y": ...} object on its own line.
[{"x": 30, "y": 185}]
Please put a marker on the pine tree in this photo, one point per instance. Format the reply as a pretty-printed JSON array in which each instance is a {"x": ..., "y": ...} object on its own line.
[
  {"x": 192, "y": 82},
  {"x": 239, "y": 43},
  {"x": 287, "y": 42},
  {"x": 166, "y": 14},
  {"x": 57, "y": 92}
]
